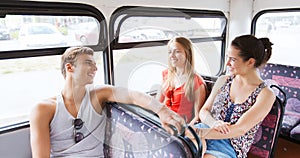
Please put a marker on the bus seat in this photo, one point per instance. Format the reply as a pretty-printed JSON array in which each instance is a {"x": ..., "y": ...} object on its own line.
[
  {"x": 267, "y": 135},
  {"x": 209, "y": 83},
  {"x": 130, "y": 135},
  {"x": 287, "y": 77},
  {"x": 15, "y": 142}
]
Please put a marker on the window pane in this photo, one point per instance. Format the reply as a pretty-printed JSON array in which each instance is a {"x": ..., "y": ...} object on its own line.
[
  {"x": 140, "y": 54},
  {"x": 20, "y": 32},
  {"x": 281, "y": 27},
  {"x": 205, "y": 53},
  {"x": 25, "y": 81},
  {"x": 136, "y": 69},
  {"x": 136, "y": 29},
  {"x": 141, "y": 68}
]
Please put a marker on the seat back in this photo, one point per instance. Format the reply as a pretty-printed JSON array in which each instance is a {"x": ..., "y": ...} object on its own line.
[
  {"x": 15, "y": 142},
  {"x": 287, "y": 77},
  {"x": 267, "y": 134},
  {"x": 130, "y": 135}
]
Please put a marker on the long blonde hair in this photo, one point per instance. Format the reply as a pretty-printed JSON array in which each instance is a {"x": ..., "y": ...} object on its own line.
[{"x": 188, "y": 69}]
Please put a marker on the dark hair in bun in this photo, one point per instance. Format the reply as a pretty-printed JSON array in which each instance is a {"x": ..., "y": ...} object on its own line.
[{"x": 251, "y": 47}]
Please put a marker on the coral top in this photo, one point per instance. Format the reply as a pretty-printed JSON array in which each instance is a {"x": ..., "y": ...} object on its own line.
[{"x": 175, "y": 99}]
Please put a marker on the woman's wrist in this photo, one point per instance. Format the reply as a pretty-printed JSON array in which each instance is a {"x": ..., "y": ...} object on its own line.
[
  {"x": 209, "y": 120},
  {"x": 199, "y": 133}
]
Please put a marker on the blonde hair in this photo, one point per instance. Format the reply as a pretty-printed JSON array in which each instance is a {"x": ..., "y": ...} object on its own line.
[{"x": 188, "y": 69}]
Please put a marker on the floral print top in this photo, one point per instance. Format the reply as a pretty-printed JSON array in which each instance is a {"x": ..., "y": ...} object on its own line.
[{"x": 222, "y": 104}]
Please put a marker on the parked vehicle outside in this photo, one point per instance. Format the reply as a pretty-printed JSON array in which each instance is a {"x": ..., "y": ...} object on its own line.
[
  {"x": 88, "y": 34},
  {"x": 41, "y": 35},
  {"x": 146, "y": 34},
  {"x": 4, "y": 33}
]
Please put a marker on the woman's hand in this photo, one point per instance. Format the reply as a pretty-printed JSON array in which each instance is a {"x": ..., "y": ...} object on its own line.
[
  {"x": 194, "y": 121},
  {"x": 221, "y": 126}
]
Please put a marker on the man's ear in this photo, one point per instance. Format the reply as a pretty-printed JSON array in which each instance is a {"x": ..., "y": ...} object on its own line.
[{"x": 68, "y": 67}]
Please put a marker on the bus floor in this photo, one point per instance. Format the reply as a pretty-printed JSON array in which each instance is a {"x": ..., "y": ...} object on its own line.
[{"x": 286, "y": 149}]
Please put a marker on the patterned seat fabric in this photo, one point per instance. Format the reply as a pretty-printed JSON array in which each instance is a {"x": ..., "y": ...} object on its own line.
[
  {"x": 267, "y": 134},
  {"x": 131, "y": 136},
  {"x": 287, "y": 77}
]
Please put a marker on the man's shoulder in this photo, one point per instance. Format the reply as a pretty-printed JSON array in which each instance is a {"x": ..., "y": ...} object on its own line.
[
  {"x": 46, "y": 104},
  {"x": 48, "y": 101},
  {"x": 99, "y": 88},
  {"x": 44, "y": 109},
  {"x": 102, "y": 91}
]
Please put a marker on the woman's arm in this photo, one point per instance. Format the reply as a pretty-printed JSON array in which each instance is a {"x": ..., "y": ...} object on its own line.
[
  {"x": 248, "y": 120},
  {"x": 204, "y": 114},
  {"x": 200, "y": 97},
  {"x": 160, "y": 95},
  {"x": 160, "y": 92}
]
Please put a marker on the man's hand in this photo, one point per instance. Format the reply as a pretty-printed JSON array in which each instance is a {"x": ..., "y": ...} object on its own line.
[{"x": 169, "y": 119}]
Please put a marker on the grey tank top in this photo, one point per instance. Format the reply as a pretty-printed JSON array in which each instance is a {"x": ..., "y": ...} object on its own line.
[{"x": 62, "y": 131}]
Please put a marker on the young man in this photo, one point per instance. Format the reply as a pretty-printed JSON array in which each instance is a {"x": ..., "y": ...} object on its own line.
[{"x": 72, "y": 124}]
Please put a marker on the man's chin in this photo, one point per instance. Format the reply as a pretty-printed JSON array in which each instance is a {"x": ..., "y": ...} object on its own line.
[{"x": 90, "y": 82}]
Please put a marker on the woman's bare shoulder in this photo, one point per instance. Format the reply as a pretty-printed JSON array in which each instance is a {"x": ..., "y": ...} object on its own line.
[
  {"x": 220, "y": 81},
  {"x": 222, "y": 78},
  {"x": 268, "y": 92}
]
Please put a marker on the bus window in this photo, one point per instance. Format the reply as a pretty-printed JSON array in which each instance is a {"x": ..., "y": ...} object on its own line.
[
  {"x": 164, "y": 28},
  {"x": 283, "y": 28},
  {"x": 27, "y": 80},
  {"x": 280, "y": 27},
  {"x": 139, "y": 44},
  {"x": 30, "y": 53},
  {"x": 19, "y": 32}
]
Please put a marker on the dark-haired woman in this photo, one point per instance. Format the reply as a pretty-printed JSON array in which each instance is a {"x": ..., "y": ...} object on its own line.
[{"x": 238, "y": 102}]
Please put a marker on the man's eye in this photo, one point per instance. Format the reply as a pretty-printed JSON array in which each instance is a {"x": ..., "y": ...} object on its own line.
[{"x": 89, "y": 63}]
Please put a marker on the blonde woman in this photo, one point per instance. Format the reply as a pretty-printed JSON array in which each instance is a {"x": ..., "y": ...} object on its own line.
[{"x": 183, "y": 90}]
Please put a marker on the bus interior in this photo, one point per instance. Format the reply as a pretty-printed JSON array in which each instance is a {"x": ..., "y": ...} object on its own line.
[{"x": 130, "y": 42}]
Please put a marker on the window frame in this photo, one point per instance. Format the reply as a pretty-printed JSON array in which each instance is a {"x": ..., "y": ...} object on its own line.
[
  {"x": 260, "y": 13},
  {"x": 130, "y": 11},
  {"x": 266, "y": 11},
  {"x": 52, "y": 9}
]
